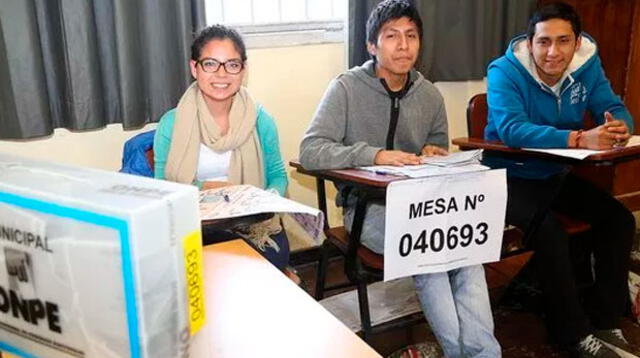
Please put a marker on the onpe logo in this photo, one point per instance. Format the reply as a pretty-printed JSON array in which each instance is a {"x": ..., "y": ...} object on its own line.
[{"x": 20, "y": 270}]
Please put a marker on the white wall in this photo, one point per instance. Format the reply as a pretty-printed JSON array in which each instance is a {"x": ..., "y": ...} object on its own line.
[
  {"x": 100, "y": 149},
  {"x": 289, "y": 82},
  {"x": 456, "y": 96}
]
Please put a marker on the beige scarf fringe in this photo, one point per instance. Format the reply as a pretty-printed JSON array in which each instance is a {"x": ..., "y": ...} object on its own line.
[{"x": 260, "y": 233}]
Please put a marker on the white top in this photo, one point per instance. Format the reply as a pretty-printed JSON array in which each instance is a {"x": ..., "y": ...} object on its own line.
[
  {"x": 212, "y": 166},
  {"x": 556, "y": 88}
]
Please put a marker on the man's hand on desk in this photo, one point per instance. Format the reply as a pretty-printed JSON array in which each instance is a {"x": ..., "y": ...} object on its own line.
[
  {"x": 214, "y": 184},
  {"x": 396, "y": 157},
  {"x": 617, "y": 127},
  {"x": 432, "y": 150},
  {"x": 611, "y": 134}
]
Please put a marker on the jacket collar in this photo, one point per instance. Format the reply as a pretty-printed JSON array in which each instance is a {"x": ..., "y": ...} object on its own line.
[{"x": 518, "y": 53}]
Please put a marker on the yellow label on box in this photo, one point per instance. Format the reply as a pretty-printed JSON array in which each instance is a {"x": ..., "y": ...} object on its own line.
[{"x": 192, "y": 245}]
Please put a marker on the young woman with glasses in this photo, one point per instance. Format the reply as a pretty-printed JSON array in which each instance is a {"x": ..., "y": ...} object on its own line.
[{"x": 219, "y": 136}]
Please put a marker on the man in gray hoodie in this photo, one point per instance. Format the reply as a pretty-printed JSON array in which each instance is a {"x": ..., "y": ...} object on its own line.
[{"x": 386, "y": 113}]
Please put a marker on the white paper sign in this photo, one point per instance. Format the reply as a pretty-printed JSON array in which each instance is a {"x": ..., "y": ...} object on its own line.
[{"x": 441, "y": 223}]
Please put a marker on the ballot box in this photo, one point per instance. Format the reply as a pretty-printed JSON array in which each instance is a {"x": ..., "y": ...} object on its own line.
[{"x": 97, "y": 264}]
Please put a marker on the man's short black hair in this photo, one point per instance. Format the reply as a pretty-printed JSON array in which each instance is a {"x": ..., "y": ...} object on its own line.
[
  {"x": 217, "y": 32},
  {"x": 391, "y": 10},
  {"x": 556, "y": 10}
]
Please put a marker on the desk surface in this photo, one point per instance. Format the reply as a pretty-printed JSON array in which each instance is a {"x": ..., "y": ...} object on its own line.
[
  {"x": 353, "y": 176},
  {"x": 618, "y": 154},
  {"x": 253, "y": 310}
]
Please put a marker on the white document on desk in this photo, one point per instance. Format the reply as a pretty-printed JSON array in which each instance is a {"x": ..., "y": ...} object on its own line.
[
  {"x": 424, "y": 170},
  {"x": 633, "y": 141},
  {"x": 442, "y": 223},
  {"x": 569, "y": 153},
  {"x": 580, "y": 154},
  {"x": 243, "y": 200}
]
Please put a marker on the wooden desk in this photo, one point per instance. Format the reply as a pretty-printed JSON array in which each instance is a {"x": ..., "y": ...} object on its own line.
[
  {"x": 352, "y": 176},
  {"x": 371, "y": 182},
  {"x": 253, "y": 310},
  {"x": 361, "y": 265},
  {"x": 616, "y": 171}
]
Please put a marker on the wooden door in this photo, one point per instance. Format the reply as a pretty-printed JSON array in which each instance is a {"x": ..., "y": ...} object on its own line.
[{"x": 615, "y": 25}]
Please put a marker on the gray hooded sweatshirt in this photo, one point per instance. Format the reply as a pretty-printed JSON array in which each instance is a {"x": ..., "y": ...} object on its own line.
[{"x": 351, "y": 123}]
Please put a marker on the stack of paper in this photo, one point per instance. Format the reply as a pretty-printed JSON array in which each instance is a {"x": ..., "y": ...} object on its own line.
[
  {"x": 459, "y": 162},
  {"x": 455, "y": 159}
]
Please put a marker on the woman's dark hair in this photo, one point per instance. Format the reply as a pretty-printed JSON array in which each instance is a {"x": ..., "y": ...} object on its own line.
[
  {"x": 391, "y": 10},
  {"x": 556, "y": 10},
  {"x": 217, "y": 32}
]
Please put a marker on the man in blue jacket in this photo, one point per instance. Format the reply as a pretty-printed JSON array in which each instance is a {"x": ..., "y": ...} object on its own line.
[{"x": 538, "y": 94}]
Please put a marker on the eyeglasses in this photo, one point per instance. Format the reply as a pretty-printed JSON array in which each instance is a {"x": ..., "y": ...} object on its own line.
[{"x": 211, "y": 65}]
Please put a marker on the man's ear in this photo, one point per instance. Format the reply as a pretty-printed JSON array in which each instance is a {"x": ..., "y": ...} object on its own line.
[
  {"x": 578, "y": 42},
  {"x": 529, "y": 40},
  {"x": 372, "y": 49}
]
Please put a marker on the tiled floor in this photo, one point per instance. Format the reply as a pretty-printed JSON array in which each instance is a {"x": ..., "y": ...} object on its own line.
[{"x": 520, "y": 332}]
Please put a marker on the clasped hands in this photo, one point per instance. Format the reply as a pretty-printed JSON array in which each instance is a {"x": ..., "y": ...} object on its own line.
[
  {"x": 399, "y": 158},
  {"x": 613, "y": 133}
]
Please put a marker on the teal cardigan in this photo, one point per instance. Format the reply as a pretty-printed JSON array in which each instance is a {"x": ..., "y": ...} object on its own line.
[{"x": 275, "y": 175}]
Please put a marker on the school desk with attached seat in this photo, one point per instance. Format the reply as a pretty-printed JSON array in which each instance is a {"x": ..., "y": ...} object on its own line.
[
  {"x": 615, "y": 171},
  {"x": 362, "y": 266}
]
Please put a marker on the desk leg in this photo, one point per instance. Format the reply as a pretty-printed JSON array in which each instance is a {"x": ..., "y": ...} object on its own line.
[
  {"x": 363, "y": 305},
  {"x": 356, "y": 226},
  {"x": 354, "y": 243},
  {"x": 322, "y": 201},
  {"x": 321, "y": 274}
]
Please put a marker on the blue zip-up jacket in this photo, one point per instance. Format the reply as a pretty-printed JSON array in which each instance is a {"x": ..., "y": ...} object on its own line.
[
  {"x": 526, "y": 113},
  {"x": 134, "y": 158}
]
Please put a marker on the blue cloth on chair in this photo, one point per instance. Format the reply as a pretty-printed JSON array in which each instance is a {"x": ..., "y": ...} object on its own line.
[{"x": 134, "y": 160}]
